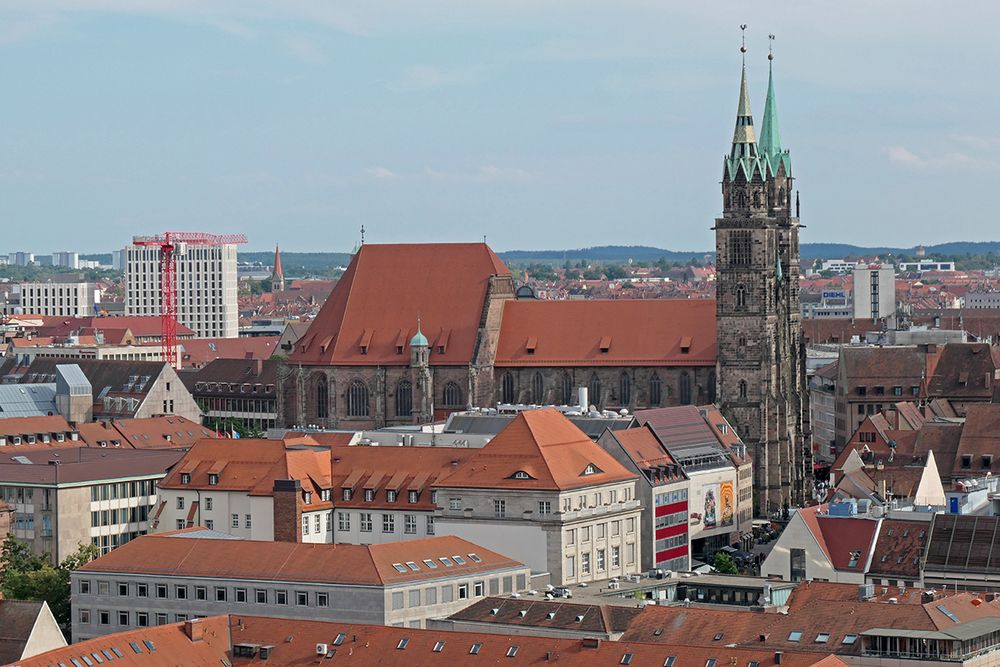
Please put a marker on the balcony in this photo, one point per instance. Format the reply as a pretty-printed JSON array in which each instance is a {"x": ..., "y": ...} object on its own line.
[{"x": 602, "y": 510}]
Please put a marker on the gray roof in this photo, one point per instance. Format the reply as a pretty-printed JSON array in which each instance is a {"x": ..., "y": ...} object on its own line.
[
  {"x": 487, "y": 424},
  {"x": 71, "y": 380},
  {"x": 962, "y": 631},
  {"x": 17, "y": 618},
  {"x": 24, "y": 400}
]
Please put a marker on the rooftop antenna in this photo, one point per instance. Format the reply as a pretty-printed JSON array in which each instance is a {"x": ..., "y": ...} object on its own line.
[{"x": 743, "y": 40}]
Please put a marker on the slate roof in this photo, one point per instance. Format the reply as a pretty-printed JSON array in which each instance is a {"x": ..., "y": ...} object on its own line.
[{"x": 17, "y": 619}]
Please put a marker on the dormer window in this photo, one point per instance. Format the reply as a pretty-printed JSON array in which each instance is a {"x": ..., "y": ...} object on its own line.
[
  {"x": 346, "y": 495},
  {"x": 307, "y": 497},
  {"x": 862, "y": 390},
  {"x": 591, "y": 469},
  {"x": 324, "y": 494},
  {"x": 213, "y": 480},
  {"x": 369, "y": 495},
  {"x": 413, "y": 497},
  {"x": 520, "y": 474},
  {"x": 390, "y": 496},
  {"x": 185, "y": 477}
]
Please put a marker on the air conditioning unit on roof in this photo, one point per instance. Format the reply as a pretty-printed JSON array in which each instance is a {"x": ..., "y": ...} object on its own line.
[{"x": 321, "y": 649}]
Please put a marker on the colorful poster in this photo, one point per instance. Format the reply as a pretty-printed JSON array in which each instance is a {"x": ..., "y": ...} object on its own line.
[
  {"x": 726, "y": 504},
  {"x": 711, "y": 492}
]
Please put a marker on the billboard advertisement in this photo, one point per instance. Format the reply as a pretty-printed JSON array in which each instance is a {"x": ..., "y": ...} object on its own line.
[{"x": 719, "y": 504}]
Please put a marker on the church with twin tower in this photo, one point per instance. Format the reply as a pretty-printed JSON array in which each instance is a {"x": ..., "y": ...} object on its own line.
[{"x": 761, "y": 355}]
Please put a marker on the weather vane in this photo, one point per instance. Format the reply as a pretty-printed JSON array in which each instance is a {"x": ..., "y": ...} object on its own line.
[
  {"x": 743, "y": 38},
  {"x": 362, "y": 234},
  {"x": 770, "y": 47}
]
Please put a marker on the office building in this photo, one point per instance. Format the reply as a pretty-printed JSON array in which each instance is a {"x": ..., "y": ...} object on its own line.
[{"x": 65, "y": 297}]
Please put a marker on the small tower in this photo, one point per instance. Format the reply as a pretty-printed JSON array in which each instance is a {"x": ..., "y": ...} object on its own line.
[
  {"x": 420, "y": 377},
  {"x": 278, "y": 274}
]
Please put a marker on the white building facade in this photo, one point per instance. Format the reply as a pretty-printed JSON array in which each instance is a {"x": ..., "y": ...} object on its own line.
[
  {"x": 60, "y": 299},
  {"x": 206, "y": 287},
  {"x": 874, "y": 295}
]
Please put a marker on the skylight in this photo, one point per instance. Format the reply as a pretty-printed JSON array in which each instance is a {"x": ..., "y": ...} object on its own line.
[
  {"x": 669, "y": 662},
  {"x": 475, "y": 649},
  {"x": 447, "y": 561},
  {"x": 438, "y": 647},
  {"x": 399, "y": 567},
  {"x": 430, "y": 563},
  {"x": 710, "y": 662},
  {"x": 795, "y": 635},
  {"x": 512, "y": 651},
  {"x": 413, "y": 566},
  {"x": 944, "y": 610},
  {"x": 475, "y": 558},
  {"x": 458, "y": 559},
  {"x": 340, "y": 639},
  {"x": 402, "y": 643},
  {"x": 850, "y": 639},
  {"x": 822, "y": 637},
  {"x": 627, "y": 659}
]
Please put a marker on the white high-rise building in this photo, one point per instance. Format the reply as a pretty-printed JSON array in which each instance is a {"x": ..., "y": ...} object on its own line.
[
  {"x": 67, "y": 259},
  {"x": 69, "y": 299},
  {"x": 874, "y": 295},
  {"x": 206, "y": 287}
]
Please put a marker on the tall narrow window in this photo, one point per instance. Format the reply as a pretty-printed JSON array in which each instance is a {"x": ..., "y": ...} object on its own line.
[
  {"x": 322, "y": 398},
  {"x": 711, "y": 387},
  {"x": 357, "y": 399},
  {"x": 743, "y": 388},
  {"x": 740, "y": 243},
  {"x": 567, "y": 389},
  {"x": 507, "y": 388},
  {"x": 452, "y": 394},
  {"x": 741, "y": 296},
  {"x": 655, "y": 391},
  {"x": 594, "y": 389},
  {"x": 625, "y": 388},
  {"x": 404, "y": 399},
  {"x": 685, "y": 389},
  {"x": 537, "y": 389}
]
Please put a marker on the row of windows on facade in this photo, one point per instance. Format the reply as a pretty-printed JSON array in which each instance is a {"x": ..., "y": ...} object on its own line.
[
  {"x": 358, "y": 398},
  {"x": 879, "y": 390},
  {"x": 108, "y": 542},
  {"x": 112, "y": 491},
  {"x": 366, "y": 523},
  {"x": 567, "y": 389},
  {"x": 599, "y": 532},
  {"x": 595, "y": 499},
  {"x": 202, "y": 593},
  {"x": 413, "y": 497},
  {"x": 601, "y": 558},
  {"x": 118, "y": 516}
]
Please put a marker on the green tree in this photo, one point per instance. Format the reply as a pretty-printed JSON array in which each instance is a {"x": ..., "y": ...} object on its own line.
[
  {"x": 614, "y": 272},
  {"x": 724, "y": 564},
  {"x": 27, "y": 576}
]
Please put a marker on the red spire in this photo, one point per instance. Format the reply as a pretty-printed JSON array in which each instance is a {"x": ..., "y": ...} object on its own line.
[{"x": 278, "y": 272}]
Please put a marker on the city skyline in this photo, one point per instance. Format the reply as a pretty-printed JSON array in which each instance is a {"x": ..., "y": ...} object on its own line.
[{"x": 296, "y": 122}]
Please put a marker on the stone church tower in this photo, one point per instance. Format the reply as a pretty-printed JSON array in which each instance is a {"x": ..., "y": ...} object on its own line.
[{"x": 761, "y": 357}]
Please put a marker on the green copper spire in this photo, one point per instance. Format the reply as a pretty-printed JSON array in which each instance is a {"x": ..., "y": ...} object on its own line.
[
  {"x": 770, "y": 136},
  {"x": 743, "y": 156}
]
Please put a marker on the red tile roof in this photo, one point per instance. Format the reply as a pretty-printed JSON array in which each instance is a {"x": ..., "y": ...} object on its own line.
[
  {"x": 657, "y": 332},
  {"x": 169, "y": 554},
  {"x": 387, "y": 288},
  {"x": 170, "y": 645},
  {"x": 643, "y": 447},
  {"x": 164, "y": 432},
  {"x": 384, "y": 468},
  {"x": 841, "y": 537},
  {"x": 547, "y": 448},
  {"x": 199, "y": 351}
]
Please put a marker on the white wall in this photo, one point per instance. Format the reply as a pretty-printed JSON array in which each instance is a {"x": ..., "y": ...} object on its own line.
[{"x": 521, "y": 541}]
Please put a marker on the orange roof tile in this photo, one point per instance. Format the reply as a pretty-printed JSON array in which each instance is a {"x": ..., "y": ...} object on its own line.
[
  {"x": 387, "y": 288},
  {"x": 539, "y": 449},
  {"x": 640, "y": 332}
]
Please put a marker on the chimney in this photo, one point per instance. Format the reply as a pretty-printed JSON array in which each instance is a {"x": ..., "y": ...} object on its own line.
[
  {"x": 777, "y": 657},
  {"x": 287, "y": 509},
  {"x": 194, "y": 630},
  {"x": 584, "y": 400}
]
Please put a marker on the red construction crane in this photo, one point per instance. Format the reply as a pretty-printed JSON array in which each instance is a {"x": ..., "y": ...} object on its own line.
[{"x": 168, "y": 284}]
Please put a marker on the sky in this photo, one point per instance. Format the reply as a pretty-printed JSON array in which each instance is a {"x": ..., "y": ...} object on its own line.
[{"x": 539, "y": 124}]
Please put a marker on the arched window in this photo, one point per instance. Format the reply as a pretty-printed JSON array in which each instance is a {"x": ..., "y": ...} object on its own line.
[
  {"x": 567, "y": 389},
  {"x": 594, "y": 390},
  {"x": 743, "y": 388},
  {"x": 404, "y": 399},
  {"x": 685, "y": 388},
  {"x": 357, "y": 399},
  {"x": 711, "y": 387},
  {"x": 625, "y": 388},
  {"x": 452, "y": 394},
  {"x": 322, "y": 398},
  {"x": 741, "y": 296},
  {"x": 537, "y": 389},
  {"x": 507, "y": 388},
  {"x": 742, "y": 342},
  {"x": 655, "y": 391}
]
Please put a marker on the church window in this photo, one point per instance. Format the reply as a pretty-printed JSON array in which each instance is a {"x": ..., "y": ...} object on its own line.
[
  {"x": 357, "y": 399},
  {"x": 507, "y": 388},
  {"x": 537, "y": 389},
  {"x": 625, "y": 388},
  {"x": 567, "y": 389},
  {"x": 655, "y": 391},
  {"x": 452, "y": 394},
  {"x": 322, "y": 398},
  {"x": 594, "y": 390},
  {"x": 742, "y": 341},
  {"x": 741, "y": 296},
  {"x": 743, "y": 388},
  {"x": 740, "y": 245},
  {"x": 685, "y": 388},
  {"x": 404, "y": 399},
  {"x": 711, "y": 387}
]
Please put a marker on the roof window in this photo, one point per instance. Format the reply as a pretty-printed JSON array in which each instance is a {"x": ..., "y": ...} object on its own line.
[
  {"x": 447, "y": 561},
  {"x": 512, "y": 651},
  {"x": 475, "y": 558},
  {"x": 399, "y": 567},
  {"x": 591, "y": 469},
  {"x": 669, "y": 662},
  {"x": 340, "y": 639},
  {"x": 413, "y": 566},
  {"x": 430, "y": 563},
  {"x": 475, "y": 649},
  {"x": 850, "y": 639},
  {"x": 438, "y": 646},
  {"x": 795, "y": 635},
  {"x": 710, "y": 662},
  {"x": 402, "y": 643},
  {"x": 718, "y": 636},
  {"x": 627, "y": 659},
  {"x": 855, "y": 557},
  {"x": 458, "y": 559},
  {"x": 822, "y": 637}
]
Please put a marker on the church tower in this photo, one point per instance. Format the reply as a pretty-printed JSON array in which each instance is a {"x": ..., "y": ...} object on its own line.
[
  {"x": 277, "y": 274},
  {"x": 761, "y": 357}
]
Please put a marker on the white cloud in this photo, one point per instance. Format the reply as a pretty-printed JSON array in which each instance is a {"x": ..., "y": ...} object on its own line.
[
  {"x": 948, "y": 160},
  {"x": 380, "y": 172}
]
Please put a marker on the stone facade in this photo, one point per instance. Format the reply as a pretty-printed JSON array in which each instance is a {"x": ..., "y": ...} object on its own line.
[{"x": 761, "y": 355}]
